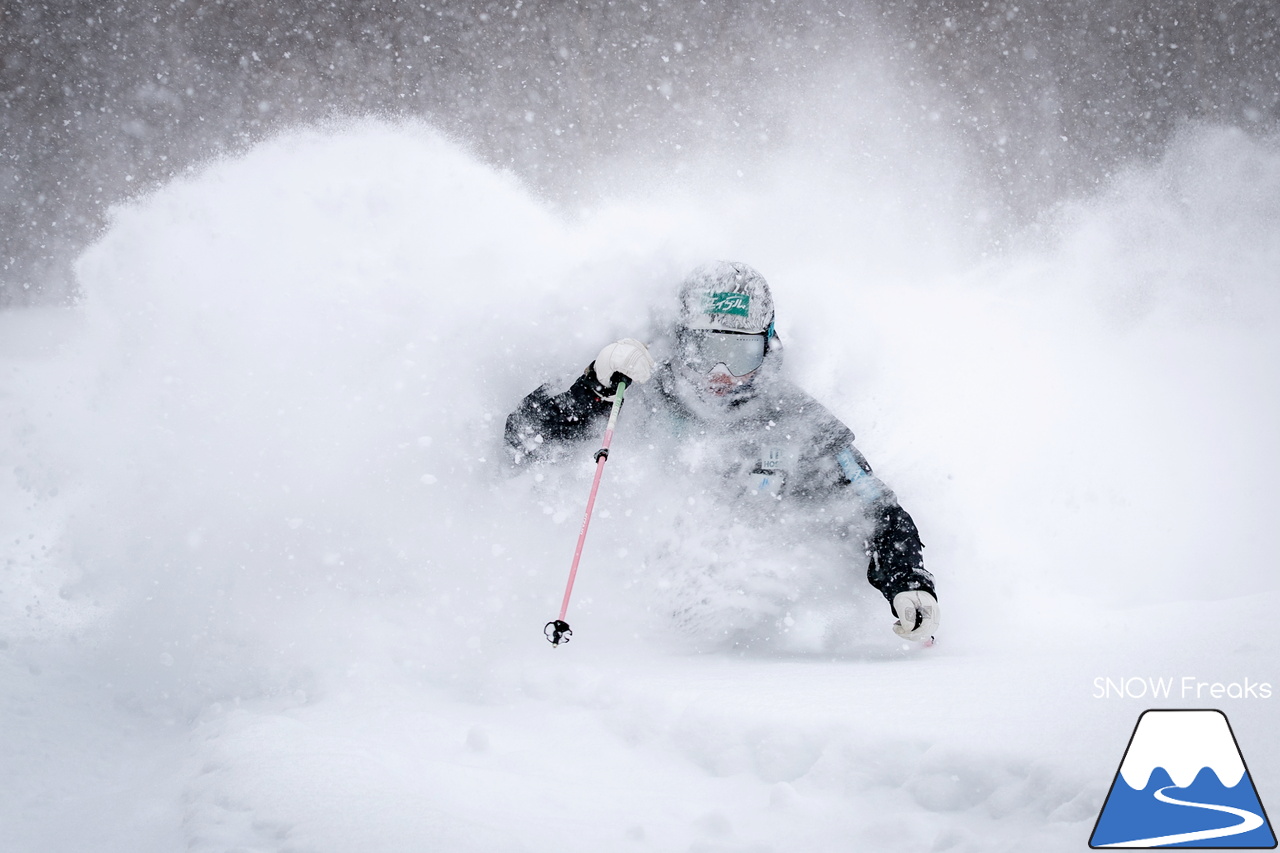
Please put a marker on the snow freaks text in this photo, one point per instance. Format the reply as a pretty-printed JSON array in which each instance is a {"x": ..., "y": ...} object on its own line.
[{"x": 1186, "y": 687}]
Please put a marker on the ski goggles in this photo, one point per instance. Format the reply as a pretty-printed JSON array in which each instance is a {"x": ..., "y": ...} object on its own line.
[{"x": 739, "y": 352}]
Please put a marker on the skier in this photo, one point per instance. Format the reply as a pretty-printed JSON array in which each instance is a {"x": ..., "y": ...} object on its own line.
[{"x": 723, "y": 379}]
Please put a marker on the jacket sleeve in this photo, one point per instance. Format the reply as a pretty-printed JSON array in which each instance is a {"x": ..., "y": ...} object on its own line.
[
  {"x": 543, "y": 423},
  {"x": 896, "y": 563},
  {"x": 894, "y": 550}
]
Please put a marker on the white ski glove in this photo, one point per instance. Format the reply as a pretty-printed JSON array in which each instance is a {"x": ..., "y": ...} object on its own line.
[
  {"x": 628, "y": 357},
  {"x": 917, "y": 613}
]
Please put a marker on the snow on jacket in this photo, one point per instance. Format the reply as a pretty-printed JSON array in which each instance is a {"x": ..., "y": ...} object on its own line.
[{"x": 780, "y": 445}]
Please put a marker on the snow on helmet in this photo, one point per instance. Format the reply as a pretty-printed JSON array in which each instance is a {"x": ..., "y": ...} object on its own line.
[{"x": 726, "y": 296}]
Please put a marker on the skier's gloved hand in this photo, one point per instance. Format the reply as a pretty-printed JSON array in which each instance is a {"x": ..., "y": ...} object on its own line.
[
  {"x": 625, "y": 360},
  {"x": 917, "y": 613}
]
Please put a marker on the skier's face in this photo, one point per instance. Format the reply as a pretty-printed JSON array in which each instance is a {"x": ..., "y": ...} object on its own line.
[
  {"x": 719, "y": 383},
  {"x": 720, "y": 364}
]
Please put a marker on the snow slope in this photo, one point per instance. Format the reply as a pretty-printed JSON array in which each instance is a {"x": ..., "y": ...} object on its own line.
[{"x": 267, "y": 584}]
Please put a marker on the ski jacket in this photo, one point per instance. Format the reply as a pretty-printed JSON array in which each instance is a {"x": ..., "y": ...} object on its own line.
[{"x": 780, "y": 444}]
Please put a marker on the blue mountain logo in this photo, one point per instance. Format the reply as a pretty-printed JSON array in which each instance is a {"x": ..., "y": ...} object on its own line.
[{"x": 1183, "y": 783}]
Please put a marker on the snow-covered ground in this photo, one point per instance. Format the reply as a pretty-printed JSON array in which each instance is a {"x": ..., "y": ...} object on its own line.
[{"x": 267, "y": 583}]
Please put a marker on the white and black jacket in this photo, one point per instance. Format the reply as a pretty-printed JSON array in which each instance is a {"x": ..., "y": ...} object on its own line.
[{"x": 779, "y": 441}]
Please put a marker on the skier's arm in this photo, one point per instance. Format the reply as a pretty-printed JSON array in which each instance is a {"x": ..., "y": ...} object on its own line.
[
  {"x": 543, "y": 421},
  {"x": 896, "y": 563},
  {"x": 894, "y": 550}
]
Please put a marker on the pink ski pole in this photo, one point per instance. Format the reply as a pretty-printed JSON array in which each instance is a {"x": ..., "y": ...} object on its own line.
[{"x": 557, "y": 630}]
